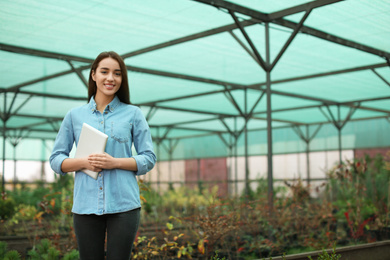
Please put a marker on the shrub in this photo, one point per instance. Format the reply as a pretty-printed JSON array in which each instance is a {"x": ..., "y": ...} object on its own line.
[
  {"x": 12, "y": 255},
  {"x": 72, "y": 255},
  {"x": 44, "y": 250},
  {"x": 7, "y": 207},
  {"x": 8, "y": 255}
]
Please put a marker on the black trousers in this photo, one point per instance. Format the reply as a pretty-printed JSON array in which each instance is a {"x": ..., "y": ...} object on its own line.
[{"x": 91, "y": 233}]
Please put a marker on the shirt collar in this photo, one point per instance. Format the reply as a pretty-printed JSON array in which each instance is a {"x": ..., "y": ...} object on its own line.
[{"x": 110, "y": 107}]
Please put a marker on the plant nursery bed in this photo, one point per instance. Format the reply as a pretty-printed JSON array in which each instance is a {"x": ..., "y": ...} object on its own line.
[
  {"x": 22, "y": 243},
  {"x": 377, "y": 250}
]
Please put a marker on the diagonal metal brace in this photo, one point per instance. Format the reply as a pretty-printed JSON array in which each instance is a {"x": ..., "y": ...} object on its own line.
[{"x": 253, "y": 47}]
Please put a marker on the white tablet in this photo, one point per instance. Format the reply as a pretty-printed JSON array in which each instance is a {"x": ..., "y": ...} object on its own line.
[{"x": 91, "y": 141}]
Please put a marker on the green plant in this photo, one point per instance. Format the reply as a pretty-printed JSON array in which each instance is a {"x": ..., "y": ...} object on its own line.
[
  {"x": 12, "y": 255},
  {"x": 3, "y": 249},
  {"x": 326, "y": 256},
  {"x": 44, "y": 251},
  {"x": 172, "y": 246},
  {"x": 72, "y": 255},
  {"x": 7, "y": 207},
  {"x": 360, "y": 194},
  {"x": 216, "y": 256},
  {"x": 8, "y": 255}
]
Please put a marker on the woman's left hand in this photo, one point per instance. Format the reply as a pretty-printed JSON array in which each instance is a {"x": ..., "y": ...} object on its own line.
[{"x": 102, "y": 161}]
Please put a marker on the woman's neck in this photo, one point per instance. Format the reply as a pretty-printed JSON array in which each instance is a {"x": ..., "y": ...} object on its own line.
[{"x": 102, "y": 101}]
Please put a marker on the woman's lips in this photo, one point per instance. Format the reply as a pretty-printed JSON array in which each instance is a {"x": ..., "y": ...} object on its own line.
[{"x": 109, "y": 86}]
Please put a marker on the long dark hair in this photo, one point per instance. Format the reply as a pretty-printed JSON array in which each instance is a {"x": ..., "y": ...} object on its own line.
[{"x": 123, "y": 93}]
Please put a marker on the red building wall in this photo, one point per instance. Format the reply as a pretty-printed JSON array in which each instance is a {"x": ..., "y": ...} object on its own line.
[
  {"x": 212, "y": 169},
  {"x": 360, "y": 153}
]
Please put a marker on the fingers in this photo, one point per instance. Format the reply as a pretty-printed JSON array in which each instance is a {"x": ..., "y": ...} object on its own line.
[
  {"x": 102, "y": 161},
  {"x": 96, "y": 156}
]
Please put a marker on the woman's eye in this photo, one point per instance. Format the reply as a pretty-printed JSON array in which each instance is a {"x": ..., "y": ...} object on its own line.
[
  {"x": 118, "y": 74},
  {"x": 103, "y": 72}
]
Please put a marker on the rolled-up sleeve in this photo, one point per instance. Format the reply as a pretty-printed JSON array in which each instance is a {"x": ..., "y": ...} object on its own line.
[
  {"x": 62, "y": 145},
  {"x": 142, "y": 139}
]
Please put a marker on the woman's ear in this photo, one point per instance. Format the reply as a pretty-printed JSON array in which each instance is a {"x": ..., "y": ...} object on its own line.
[{"x": 93, "y": 75}]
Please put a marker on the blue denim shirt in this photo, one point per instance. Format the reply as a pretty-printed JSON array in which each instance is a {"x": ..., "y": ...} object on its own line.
[{"x": 114, "y": 190}]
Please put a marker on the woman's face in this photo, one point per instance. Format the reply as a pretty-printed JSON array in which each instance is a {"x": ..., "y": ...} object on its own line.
[{"x": 108, "y": 77}]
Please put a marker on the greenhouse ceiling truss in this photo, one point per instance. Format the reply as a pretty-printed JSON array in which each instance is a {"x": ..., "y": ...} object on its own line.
[{"x": 328, "y": 107}]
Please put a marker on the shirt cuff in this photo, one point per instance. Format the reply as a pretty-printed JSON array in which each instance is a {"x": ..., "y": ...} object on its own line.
[
  {"x": 142, "y": 165},
  {"x": 57, "y": 162}
]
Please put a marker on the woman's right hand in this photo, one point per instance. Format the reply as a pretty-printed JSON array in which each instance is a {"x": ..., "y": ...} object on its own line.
[
  {"x": 77, "y": 164},
  {"x": 91, "y": 167}
]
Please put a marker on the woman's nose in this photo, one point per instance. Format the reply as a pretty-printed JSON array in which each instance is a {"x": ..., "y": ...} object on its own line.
[{"x": 110, "y": 76}]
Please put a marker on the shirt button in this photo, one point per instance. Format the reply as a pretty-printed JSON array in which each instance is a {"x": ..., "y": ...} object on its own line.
[
  {"x": 100, "y": 175},
  {"x": 101, "y": 122},
  {"x": 101, "y": 188}
]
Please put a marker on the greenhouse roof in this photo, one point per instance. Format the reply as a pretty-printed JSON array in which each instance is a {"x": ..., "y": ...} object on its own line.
[{"x": 197, "y": 68}]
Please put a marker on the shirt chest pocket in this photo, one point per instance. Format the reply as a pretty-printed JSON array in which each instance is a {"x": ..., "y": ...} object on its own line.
[{"x": 121, "y": 132}]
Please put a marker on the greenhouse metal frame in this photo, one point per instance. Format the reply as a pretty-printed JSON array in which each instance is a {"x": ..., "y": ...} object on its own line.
[{"x": 224, "y": 72}]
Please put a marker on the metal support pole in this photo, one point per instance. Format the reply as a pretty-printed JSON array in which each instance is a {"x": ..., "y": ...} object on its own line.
[
  {"x": 158, "y": 156},
  {"x": 3, "y": 173},
  {"x": 269, "y": 124},
  {"x": 247, "y": 188},
  {"x": 235, "y": 156},
  {"x": 15, "y": 178},
  {"x": 170, "y": 152},
  {"x": 229, "y": 173},
  {"x": 4, "y": 137},
  {"x": 199, "y": 177},
  {"x": 339, "y": 131},
  {"x": 308, "y": 156},
  {"x": 306, "y": 138}
]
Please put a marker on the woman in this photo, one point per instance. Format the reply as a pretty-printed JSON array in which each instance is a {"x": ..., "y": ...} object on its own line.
[{"x": 111, "y": 203}]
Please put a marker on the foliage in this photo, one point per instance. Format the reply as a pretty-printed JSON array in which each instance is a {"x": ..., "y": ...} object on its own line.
[
  {"x": 325, "y": 256},
  {"x": 217, "y": 224},
  {"x": 8, "y": 255},
  {"x": 360, "y": 194},
  {"x": 44, "y": 251},
  {"x": 174, "y": 202},
  {"x": 12, "y": 255},
  {"x": 72, "y": 255},
  {"x": 7, "y": 207},
  {"x": 216, "y": 256},
  {"x": 172, "y": 246},
  {"x": 3, "y": 249},
  {"x": 354, "y": 204}
]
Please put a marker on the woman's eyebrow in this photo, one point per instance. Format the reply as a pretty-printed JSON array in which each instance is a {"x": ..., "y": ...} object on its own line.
[{"x": 104, "y": 68}]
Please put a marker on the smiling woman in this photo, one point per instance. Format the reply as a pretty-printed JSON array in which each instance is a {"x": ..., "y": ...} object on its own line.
[
  {"x": 108, "y": 79},
  {"x": 111, "y": 203},
  {"x": 109, "y": 68}
]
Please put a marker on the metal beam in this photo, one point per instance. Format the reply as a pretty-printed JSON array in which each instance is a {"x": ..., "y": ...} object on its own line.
[
  {"x": 381, "y": 77},
  {"x": 244, "y": 47},
  {"x": 183, "y": 76},
  {"x": 300, "y": 8},
  {"x": 188, "y": 38},
  {"x": 255, "y": 115},
  {"x": 43, "y": 54},
  {"x": 207, "y": 130},
  {"x": 46, "y": 95},
  {"x": 332, "y": 38},
  {"x": 248, "y": 39},
  {"x": 318, "y": 75},
  {"x": 277, "y": 19},
  {"x": 79, "y": 74},
  {"x": 30, "y": 82},
  {"x": 236, "y": 8},
  {"x": 199, "y": 79},
  {"x": 290, "y": 39}
]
